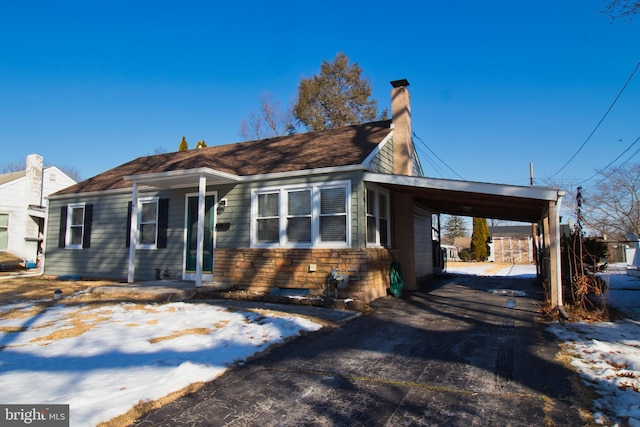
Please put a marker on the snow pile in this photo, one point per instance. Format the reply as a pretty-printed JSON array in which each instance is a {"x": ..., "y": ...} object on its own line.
[
  {"x": 607, "y": 355},
  {"x": 102, "y": 361}
]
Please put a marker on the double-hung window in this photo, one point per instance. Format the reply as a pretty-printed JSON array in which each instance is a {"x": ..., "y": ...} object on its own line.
[
  {"x": 148, "y": 223},
  {"x": 333, "y": 214},
  {"x": 75, "y": 225},
  {"x": 298, "y": 216},
  {"x": 268, "y": 218},
  {"x": 377, "y": 217},
  {"x": 301, "y": 216}
]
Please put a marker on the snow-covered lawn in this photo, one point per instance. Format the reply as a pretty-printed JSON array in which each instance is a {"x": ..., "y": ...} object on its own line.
[
  {"x": 104, "y": 360},
  {"x": 605, "y": 354}
]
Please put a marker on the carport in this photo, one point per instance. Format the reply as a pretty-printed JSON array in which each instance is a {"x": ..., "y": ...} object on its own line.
[{"x": 536, "y": 205}]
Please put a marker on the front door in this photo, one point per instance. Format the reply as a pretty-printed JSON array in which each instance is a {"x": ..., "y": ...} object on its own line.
[{"x": 192, "y": 237}]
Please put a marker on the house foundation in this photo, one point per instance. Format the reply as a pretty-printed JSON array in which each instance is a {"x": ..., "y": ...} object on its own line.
[{"x": 268, "y": 270}]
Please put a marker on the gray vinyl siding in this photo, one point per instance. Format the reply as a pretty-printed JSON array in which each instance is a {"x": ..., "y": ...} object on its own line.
[
  {"x": 382, "y": 162},
  {"x": 108, "y": 254},
  {"x": 237, "y": 213}
]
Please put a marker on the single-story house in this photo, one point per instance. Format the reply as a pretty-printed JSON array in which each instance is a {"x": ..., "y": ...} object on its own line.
[
  {"x": 283, "y": 212},
  {"x": 23, "y": 206}
]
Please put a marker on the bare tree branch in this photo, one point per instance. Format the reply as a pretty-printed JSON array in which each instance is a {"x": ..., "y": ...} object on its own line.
[{"x": 624, "y": 9}]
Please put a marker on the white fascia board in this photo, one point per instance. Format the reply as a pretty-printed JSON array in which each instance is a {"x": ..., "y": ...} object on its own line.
[
  {"x": 181, "y": 174},
  {"x": 148, "y": 180},
  {"x": 90, "y": 194},
  {"x": 538, "y": 193}
]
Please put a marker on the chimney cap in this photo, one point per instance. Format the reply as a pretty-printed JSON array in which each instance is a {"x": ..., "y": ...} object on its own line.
[{"x": 400, "y": 83}]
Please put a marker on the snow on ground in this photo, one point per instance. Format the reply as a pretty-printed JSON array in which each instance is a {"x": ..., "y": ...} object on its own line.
[
  {"x": 489, "y": 269},
  {"x": 104, "y": 360},
  {"x": 605, "y": 354}
]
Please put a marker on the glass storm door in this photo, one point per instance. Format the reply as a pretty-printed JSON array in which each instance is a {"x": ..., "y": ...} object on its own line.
[{"x": 192, "y": 234}]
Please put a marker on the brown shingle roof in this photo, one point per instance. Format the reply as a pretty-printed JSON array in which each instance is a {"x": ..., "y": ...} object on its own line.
[{"x": 344, "y": 146}]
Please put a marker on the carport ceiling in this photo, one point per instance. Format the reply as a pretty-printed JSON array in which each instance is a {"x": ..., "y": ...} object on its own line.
[{"x": 475, "y": 199}]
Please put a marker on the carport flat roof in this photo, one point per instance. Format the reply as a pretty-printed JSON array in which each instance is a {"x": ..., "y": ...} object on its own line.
[{"x": 475, "y": 199}]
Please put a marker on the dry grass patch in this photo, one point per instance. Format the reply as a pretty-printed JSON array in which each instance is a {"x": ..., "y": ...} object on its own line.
[
  {"x": 21, "y": 312},
  {"x": 221, "y": 324},
  {"x": 582, "y": 395},
  {"x": 11, "y": 329},
  {"x": 176, "y": 334},
  {"x": 143, "y": 408},
  {"x": 80, "y": 322},
  {"x": 42, "y": 288},
  {"x": 78, "y": 327}
]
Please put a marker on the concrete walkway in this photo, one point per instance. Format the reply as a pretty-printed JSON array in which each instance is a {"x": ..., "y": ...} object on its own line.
[{"x": 454, "y": 355}]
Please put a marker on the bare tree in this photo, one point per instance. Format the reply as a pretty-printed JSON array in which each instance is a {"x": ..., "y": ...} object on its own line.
[
  {"x": 270, "y": 120},
  {"x": 9, "y": 167},
  {"x": 72, "y": 172},
  {"x": 613, "y": 206},
  {"x": 625, "y": 9},
  {"x": 12, "y": 167}
]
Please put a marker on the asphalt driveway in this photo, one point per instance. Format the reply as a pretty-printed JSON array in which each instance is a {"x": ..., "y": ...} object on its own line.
[{"x": 451, "y": 355}]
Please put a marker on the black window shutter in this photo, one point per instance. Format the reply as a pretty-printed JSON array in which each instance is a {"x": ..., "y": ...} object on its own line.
[
  {"x": 62, "y": 234},
  {"x": 129, "y": 208},
  {"x": 163, "y": 222},
  {"x": 88, "y": 217}
]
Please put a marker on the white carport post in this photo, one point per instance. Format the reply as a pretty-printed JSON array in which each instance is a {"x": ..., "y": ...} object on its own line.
[
  {"x": 202, "y": 188},
  {"x": 133, "y": 236},
  {"x": 554, "y": 252}
]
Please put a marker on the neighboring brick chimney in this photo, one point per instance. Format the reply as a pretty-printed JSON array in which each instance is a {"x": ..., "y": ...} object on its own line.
[
  {"x": 402, "y": 134},
  {"x": 34, "y": 180}
]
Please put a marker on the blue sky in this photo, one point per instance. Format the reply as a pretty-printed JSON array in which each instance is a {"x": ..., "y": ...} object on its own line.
[{"x": 495, "y": 85}]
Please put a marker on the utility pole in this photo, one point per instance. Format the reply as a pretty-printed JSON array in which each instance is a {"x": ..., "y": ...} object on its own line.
[
  {"x": 531, "y": 174},
  {"x": 534, "y": 229}
]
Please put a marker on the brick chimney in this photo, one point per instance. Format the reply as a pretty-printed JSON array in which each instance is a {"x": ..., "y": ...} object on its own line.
[
  {"x": 34, "y": 180},
  {"x": 402, "y": 134}
]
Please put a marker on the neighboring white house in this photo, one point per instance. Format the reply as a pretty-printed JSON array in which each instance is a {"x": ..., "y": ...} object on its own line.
[{"x": 23, "y": 206}]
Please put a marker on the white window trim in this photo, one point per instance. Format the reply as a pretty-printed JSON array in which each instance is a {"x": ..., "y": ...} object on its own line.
[
  {"x": 141, "y": 201},
  {"x": 377, "y": 191},
  {"x": 315, "y": 215},
  {"x": 67, "y": 238}
]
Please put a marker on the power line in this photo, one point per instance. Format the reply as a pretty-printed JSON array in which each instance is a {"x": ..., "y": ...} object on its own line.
[
  {"x": 613, "y": 161},
  {"x": 431, "y": 163},
  {"x": 600, "y": 122},
  {"x": 436, "y": 156}
]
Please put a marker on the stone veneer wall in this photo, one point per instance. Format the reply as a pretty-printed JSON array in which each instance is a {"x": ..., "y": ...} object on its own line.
[{"x": 266, "y": 269}]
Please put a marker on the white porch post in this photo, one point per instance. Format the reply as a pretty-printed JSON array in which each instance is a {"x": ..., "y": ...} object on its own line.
[
  {"x": 202, "y": 188},
  {"x": 133, "y": 236}
]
